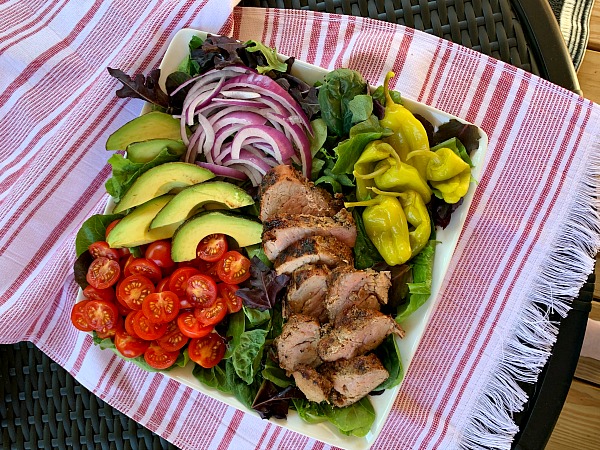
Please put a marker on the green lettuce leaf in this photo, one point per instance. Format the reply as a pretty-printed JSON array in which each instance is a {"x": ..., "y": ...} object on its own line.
[
  {"x": 93, "y": 230},
  {"x": 247, "y": 355}
]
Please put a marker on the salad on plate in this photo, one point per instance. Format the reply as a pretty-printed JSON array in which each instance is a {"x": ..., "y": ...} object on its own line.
[{"x": 275, "y": 232}]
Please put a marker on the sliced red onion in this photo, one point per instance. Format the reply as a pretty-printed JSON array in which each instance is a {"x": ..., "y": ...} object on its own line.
[
  {"x": 243, "y": 95},
  {"x": 203, "y": 99},
  {"x": 223, "y": 171},
  {"x": 239, "y": 102},
  {"x": 256, "y": 162},
  {"x": 261, "y": 154},
  {"x": 282, "y": 147},
  {"x": 253, "y": 174}
]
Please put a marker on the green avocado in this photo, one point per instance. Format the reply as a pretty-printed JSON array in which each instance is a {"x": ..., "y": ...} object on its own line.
[
  {"x": 134, "y": 229},
  {"x": 146, "y": 151},
  {"x": 188, "y": 201},
  {"x": 153, "y": 125},
  {"x": 244, "y": 230},
  {"x": 162, "y": 179}
]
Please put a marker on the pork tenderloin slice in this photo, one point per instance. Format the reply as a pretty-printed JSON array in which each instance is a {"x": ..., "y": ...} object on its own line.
[
  {"x": 306, "y": 292},
  {"x": 326, "y": 250},
  {"x": 284, "y": 190},
  {"x": 354, "y": 378},
  {"x": 297, "y": 343},
  {"x": 315, "y": 386},
  {"x": 363, "y": 288},
  {"x": 283, "y": 230},
  {"x": 356, "y": 332}
]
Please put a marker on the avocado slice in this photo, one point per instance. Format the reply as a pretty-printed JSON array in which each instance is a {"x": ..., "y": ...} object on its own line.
[
  {"x": 134, "y": 228},
  {"x": 188, "y": 201},
  {"x": 161, "y": 180},
  {"x": 146, "y": 151},
  {"x": 243, "y": 229},
  {"x": 153, "y": 125}
]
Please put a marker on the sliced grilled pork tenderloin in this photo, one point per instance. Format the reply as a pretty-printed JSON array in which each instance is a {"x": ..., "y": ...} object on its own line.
[
  {"x": 352, "y": 379},
  {"x": 284, "y": 190},
  {"x": 297, "y": 343},
  {"x": 326, "y": 250},
  {"x": 363, "y": 288},
  {"x": 306, "y": 292},
  {"x": 315, "y": 386},
  {"x": 282, "y": 231},
  {"x": 355, "y": 332}
]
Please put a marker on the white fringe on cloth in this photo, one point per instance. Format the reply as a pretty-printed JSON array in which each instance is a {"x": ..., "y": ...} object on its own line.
[{"x": 524, "y": 355}]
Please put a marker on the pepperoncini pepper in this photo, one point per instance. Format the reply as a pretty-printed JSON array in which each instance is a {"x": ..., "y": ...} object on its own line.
[
  {"x": 442, "y": 164},
  {"x": 417, "y": 216},
  {"x": 408, "y": 130},
  {"x": 454, "y": 188},
  {"x": 387, "y": 228},
  {"x": 363, "y": 168}
]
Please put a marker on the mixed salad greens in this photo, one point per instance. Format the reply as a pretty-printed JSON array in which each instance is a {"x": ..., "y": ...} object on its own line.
[{"x": 392, "y": 167}]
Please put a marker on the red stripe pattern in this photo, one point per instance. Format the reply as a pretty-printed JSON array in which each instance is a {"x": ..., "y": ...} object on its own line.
[{"x": 57, "y": 106}]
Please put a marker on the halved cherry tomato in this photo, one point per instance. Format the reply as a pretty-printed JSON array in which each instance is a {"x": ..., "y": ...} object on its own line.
[
  {"x": 173, "y": 339},
  {"x": 103, "y": 272},
  {"x": 130, "y": 346},
  {"x": 178, "y": 281},
  {"x": 211, "y": 315},
  {"x": 128, "y": 322},
  {"x": 78, "y": 317},
  {"x": 133, "y": 290},
  {"x": 101, "y": 314},
  {"x": 161, "y": 307},
  {"x": 201, "y": 290},
  {"x": 159, "y": 358},
  {"x": 101, "y": 248},
  {"x": 233, "y": 268},
  {"x": 184, "y": 303},
  {"x": 146, "y": 267},
  {"x": 91, "y": 293},
  {"x": 207, "y": 351},
  {"x": 147, "y": 330},
  {"x": 110, "y": 227},
  {"x": 190, "y": 326},
  {"x": 227, "y": 293},
  {"x": 107, "y": 332},
  {"x": 209, "y": 268},
  {"x": 160, "y": 253},
  {"x": 163, "y": 285},
  {"x": 212, "y": 247}
]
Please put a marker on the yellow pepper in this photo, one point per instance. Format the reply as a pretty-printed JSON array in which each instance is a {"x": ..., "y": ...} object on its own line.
[
  {"x": 387, "y": 228},
  {"x": 363, "y": 168},
  {"x": 455, "y": 188},
  {"x": 406, "y": 127},
  {"x": 400, "y": 177},
  {"x": 442, "y": 164}
]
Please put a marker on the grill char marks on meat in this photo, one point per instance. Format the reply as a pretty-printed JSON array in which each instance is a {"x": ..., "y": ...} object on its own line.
[
  {"x": 315, "y": 386},
  {"x": 366, "y": 289},
  {"x": 356, "y": 332},
  {"x": 326, "y": 250},
  {"x": 306, "y": 292},
  {"x": 297, "y": 343},
  {"x": 284, "y": 190},
  {"x": 354, "y": 378},
  {"x": 284, "y": 230}
]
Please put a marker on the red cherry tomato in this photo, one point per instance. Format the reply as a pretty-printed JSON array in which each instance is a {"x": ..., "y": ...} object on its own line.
[
  {"x": 146, "y": 267},
  {"x": 184, "y": 303},
  {"x": 163, "y": 285},
  {"x": 213, "y": 314},
  {"x": 209, "y": 268},
  {"x": 147, "y": 330},
  {"x": 133, "y": 290},
  {"x": 159, "y": 358},
  {"x": 227, "y": 293},
  {"x": 201, "y": 290},
  {"x": 103, "y": 272},
  {"x": 91, "y": 293},
  {"x": 233, "y": 268},
  {"x": 107, "y": 332},
  {"x": 190, "y": 326},
  {"x": 101, "y": 248},
  {"x": 130, "y": 346},
  {"x": 78, "y": 317},
  {"x": 100, "y": 314},
  {"x": 212, "y": 247},
  {"x": 178, "y": 281},
  {"x": 207, "y": 351},
  {"x": 173, "y": 339},
  {"x": 128, "y": 323},
  {"x": 160, "y": 253},
  {"x": 161, "y": 307},
  {"x": 110, "y": 227}
]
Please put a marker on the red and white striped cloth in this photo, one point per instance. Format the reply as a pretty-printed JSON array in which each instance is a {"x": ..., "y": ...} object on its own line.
[{"x": 530, "y": 235}]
